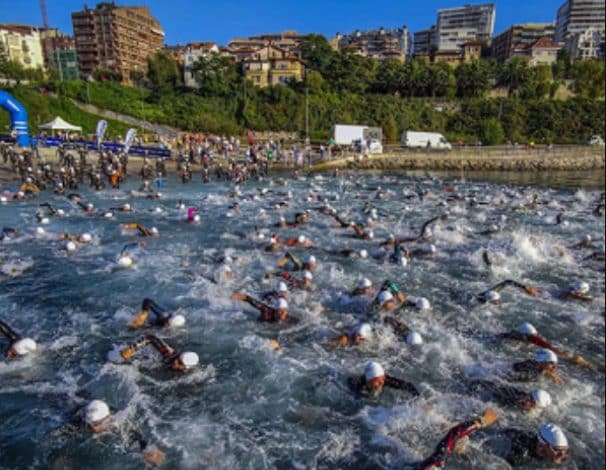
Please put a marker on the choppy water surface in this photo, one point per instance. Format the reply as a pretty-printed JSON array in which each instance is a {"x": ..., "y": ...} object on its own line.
[{"x": 249, "y": 407}]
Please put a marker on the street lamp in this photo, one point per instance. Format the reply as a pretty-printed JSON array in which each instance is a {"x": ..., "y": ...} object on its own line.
[{"x": 88, "y": 80}]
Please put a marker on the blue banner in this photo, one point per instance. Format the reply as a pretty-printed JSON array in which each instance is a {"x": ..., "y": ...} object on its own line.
[{"x": 114, "y": 147}]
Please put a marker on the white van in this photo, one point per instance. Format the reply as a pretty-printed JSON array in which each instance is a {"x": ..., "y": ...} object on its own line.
[{"x": 424, "y": 140}]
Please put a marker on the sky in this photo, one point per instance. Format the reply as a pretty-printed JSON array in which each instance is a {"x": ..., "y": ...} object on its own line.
[{"x": 219, "y": 21}]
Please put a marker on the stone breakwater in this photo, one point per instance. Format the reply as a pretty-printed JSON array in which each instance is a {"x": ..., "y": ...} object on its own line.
[{"x": 571, "y": 160}]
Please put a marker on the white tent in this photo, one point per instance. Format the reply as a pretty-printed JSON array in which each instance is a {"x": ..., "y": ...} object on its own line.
[{"x": 59, "y": 124}]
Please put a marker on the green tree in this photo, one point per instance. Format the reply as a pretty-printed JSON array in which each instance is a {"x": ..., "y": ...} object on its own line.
[
  {"x": 390, "y": 129},
  {"x": 492, "y": 132},
  {"x": 589, "y": 78},
  {"x": 516, "y": 75},
  {"x": 441, "y": 80},
  {"x": 316, "y": 52},
  {"x": 216, "y": 75},
  {"x": 163, "y": 74},
  {"x": 472, "y": 79}
]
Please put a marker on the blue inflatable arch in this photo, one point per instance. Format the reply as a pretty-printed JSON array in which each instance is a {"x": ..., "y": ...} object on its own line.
[{"x": 18, "y": 117}]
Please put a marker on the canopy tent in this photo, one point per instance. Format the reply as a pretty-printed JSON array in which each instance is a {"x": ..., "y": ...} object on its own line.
[{"x": 58, "y": 124}]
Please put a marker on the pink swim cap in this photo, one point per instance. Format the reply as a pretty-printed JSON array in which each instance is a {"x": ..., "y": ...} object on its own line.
[{"x": 191, "y": 212}]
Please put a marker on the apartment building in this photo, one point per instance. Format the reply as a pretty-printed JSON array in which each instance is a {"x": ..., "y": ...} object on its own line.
[
  {"x": 191, "y": 54},
  {"x": 60, "y": 53},
  {"x": 580, "y": 26},
  {"x": 425, "y": 42},
  {"x": 116, "y": 38},
  {"x": 21, "y": 44},
  {"x": 270, "y": 65},
  {"x": 380, "y": 44},
  {"x": 287, "y": 40},
  {"x": 456, "y": 26},
  {"x": 543, "y": 51},
  {"x": 503, "y": 45}
]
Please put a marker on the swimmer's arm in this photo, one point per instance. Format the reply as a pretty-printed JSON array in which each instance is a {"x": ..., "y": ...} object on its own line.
[
  {"x": 554, "y": 377},
  {"x": 400, "y": 384},
  {"x": 8, "y": 332},
  {"x": 340, "y": 341}
]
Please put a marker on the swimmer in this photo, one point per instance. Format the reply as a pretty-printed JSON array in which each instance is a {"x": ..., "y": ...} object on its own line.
[
  {"x": 124, "y": 208},
  {"x": 400, "y": 255},
  {"x": 450, "y": 443},
  {"x": 509, "y": 396},
  {"x": 305, "y": 283},
  {"x": 96, "y": 418},
  {"x": 143, "y": 231},
  {"x": 374, "y": 380},
  {"x": 176, "y": 361},
  {"x": 364, "y": 288},
  {"x": 277, "y": 313},
  {"x": 578, "y": 290},
  {"x": 586, "y": 242},
  {"x": 425, "y": 232},
  {"x": 29, "y": 187},
  {"x": 358, "y": 335},
  {"x": 162, "y": 318},
  {"x": 299, "y": 242},
  {"x": 310, "y": 263},
  {"x": 544, "y": 364},
  {"x": 274, "y": 243},
  {"x": 385, "y": 301},
  {"x": 528, "y": 334},
  {"x": 17, "y": 345},
  {"x": 281, "y": 292},
  {"x": 493, "y": 295},
  {"x": 549, "y": 444},
  {"x": 9, "y": 233}
]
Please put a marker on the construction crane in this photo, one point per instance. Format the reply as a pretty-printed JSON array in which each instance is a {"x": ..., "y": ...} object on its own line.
[{"x": 44, "y": 13}]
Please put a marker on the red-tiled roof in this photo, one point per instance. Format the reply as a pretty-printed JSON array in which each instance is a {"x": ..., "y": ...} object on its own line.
[{"x": 544, "y": 43}]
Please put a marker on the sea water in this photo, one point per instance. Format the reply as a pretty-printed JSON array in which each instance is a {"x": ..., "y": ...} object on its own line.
[{"x": 247, "y": 406}]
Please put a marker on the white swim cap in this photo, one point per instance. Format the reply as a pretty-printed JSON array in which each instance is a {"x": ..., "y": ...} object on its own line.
[
  {"x": 126, "y": 207},
  {"x": 308, "y": 275},
  {"x": 364, "y": 330},
  {"x": 40, "y": 230},
  {"x": 108, "y": 215},
  {"x": 587, "y": 238},
  {"x": 282, "y": 287},
  {"x": 546, "y": 355},
  {"x": 370, "y": 234},
  {"x": 552, "y": 435},
  {"x": 364, "y": 283},
  {"x": 86, "y": 237},
  {"x": 494, "y": 228},
  {"x": 89, "y": 206},
  {"x": 197, "y": 218},
  {"x": 311, "y": 259},
  {"x": 281, "y": 304},
  {"x": 579, "y": 286},
  {"x": 363, "y": 253},
  {"x": 189, "y": 359},
  {"x": 95, "y": 411},
  {"x": 158, "y": 209},
  {"x": 154, "y": 231},
  {"x": 125, "y": 261},
  {"x": 60, "y": 212},
  {"x": 432, "y": 248},
  {"x": 24, "y": 346},
  {"x": 422, "y": 303},
  {"x": 414, "y": 339},
  {"x": 492, "y": 296},
  {"x": 391, "y": 236},
  {"x": 385, "y": 296},
  {"x": 373, "y": 370},
  {"x": 45, "y": 221},
  {"x": 541, "y": 398},
  {"x": 527, "y": 329},
  {"x": 301, "y": 239},
  {"x": 176, "y": 321},
  {"x": 70, "y": 246},
  {"x": 402, "y": 261}
]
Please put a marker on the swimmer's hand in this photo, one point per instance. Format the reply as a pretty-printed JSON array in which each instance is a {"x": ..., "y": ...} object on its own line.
[
  {"x": 274, "y": 345},
  {"x": 139, "y": 320},
  {"x": 282, "y": 262},
  {"x": 153, "y": 456},
  {"x": 533, "y": 291},
  {"x": 127, "y": 353},
  {"x": 555, "y": 378},
  {"x": 581, "y": 361},
  {"x": 488, "y": 418},
  {"x": 238, "y": 296}
]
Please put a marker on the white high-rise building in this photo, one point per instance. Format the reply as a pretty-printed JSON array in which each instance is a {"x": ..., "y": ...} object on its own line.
[
  {"x": 458, "y": 25},
  {"x": 580, "y": 26},
  {"x": 21, "y": 44}
]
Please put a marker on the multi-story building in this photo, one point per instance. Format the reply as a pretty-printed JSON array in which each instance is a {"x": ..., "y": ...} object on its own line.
[
  {"x": 425, "y": 42},
  {"x": 576, "y": 16},
  {"x": 287, "y": 40},
  {"x": 379, "y": 44},
  {"x": 21, "y": 44},
  {"x": 456, "y": 26},
  {"x": 580, "y": 26},
  {"x": 586, "y": 45},
  {"x": 503, "y": 45},
  {"x": 543, "y": 51},
  {"x": 60, "y": 53},
  {"x": 116, "y": 38},
  {"x": 270, "y": 65},
  {"x": 191, "y": 54}
]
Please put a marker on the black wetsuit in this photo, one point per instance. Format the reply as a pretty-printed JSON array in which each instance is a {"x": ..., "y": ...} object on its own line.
[
  {"x": 161, "y": 317},
  {"x": 9, "y": 333},
  {"x": 502, "y": 394},
  {"x": 526, "y": 371},
  {"x": 359, "y": 385},
  {"x": 268, "y": 314}
]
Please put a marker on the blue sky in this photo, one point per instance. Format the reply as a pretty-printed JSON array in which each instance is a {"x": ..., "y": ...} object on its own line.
[{"x": 219, "y": 21}]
